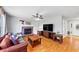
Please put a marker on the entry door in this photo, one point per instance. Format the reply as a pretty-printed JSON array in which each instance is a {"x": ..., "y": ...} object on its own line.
[{"x": 74, "y": 28}]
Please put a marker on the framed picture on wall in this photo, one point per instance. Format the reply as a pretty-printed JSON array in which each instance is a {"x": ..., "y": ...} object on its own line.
[{"x": 77, "y": 26}]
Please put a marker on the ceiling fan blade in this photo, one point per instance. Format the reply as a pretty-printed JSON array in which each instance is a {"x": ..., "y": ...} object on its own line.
[
  {"x": 41, "y": 17},
  {"x": 33, "y": 15},
  {"x": 37, "y": 15}
]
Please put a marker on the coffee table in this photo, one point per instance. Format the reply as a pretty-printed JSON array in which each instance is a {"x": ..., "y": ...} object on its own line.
[{"x": 34, "y": 40}]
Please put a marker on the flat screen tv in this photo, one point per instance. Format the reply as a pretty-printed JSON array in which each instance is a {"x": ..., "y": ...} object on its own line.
[{"x": 48, "y": 27}]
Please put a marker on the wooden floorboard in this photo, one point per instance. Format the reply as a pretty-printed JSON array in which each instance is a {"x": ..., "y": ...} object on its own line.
[{"x": 70, "y": 44}]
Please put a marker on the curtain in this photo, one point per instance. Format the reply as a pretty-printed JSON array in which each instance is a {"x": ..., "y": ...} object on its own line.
[{"x": 2, "y": 24}]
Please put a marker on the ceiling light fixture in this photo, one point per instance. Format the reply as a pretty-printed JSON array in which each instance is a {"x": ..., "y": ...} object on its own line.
[{"x": 37, "y": 16}]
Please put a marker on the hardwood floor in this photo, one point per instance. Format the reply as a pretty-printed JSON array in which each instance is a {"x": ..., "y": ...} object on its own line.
[{"x": 70, "y": 44}]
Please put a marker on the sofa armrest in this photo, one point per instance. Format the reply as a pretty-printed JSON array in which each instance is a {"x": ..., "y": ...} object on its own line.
[
  {"x": 1, "y": 38},
  {"x": 22, "y": 47}
]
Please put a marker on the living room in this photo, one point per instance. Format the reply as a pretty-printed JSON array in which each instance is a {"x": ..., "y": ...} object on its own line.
[{"x": 46, "y": 24}]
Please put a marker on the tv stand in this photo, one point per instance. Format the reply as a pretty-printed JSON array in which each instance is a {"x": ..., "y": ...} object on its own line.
[{"x": 52, "y": 35}]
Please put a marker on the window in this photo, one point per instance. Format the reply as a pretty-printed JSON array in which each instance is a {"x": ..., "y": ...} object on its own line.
[{"x": 2, "y": 24}]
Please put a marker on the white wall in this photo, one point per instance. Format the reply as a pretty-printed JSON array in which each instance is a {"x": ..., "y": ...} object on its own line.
[
  {"x": 67, "y": 26},
  {"x": 56, "y": 21},
  {"x": 73, "y": 29},
  {"x": 13, "y": 24}
]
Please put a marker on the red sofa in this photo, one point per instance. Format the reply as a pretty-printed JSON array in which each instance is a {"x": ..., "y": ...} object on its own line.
[{"x": 22, "y": 47}]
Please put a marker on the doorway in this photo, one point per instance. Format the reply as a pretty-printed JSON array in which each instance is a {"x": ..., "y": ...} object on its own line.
[{"x": 74, "y": 27}]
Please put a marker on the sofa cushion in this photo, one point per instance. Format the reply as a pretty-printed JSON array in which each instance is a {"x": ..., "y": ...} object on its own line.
[
  {"x": 6, "y": 42},
  {"x": 2, "y": 37}
]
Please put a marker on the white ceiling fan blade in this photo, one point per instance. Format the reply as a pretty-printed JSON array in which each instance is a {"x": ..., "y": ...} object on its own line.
[{"x": 33, "y": 15}]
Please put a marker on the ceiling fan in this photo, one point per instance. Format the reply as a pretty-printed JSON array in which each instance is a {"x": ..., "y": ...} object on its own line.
[{"x": 37, "y": 15}]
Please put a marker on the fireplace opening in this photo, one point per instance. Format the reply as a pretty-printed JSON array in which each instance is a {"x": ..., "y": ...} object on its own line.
[{"x": 27, "y": 30}]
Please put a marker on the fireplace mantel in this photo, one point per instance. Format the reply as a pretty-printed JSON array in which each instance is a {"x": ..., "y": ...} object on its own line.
[{"x": 27, "y": 25}]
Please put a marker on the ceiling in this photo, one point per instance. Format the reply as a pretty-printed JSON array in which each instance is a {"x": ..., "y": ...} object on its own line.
[{"x": 26, "y": 12}]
